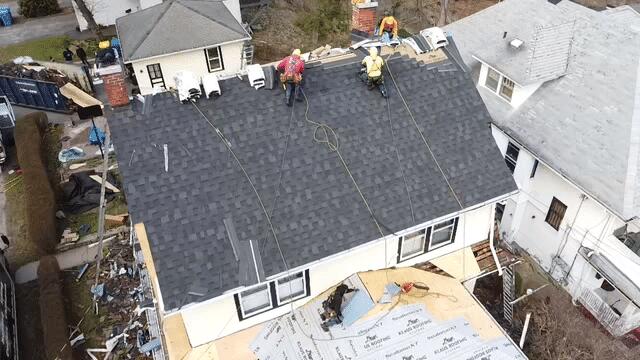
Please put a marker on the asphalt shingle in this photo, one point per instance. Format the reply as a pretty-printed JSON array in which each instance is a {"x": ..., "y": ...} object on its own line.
[{"x": 316, "y": 208}]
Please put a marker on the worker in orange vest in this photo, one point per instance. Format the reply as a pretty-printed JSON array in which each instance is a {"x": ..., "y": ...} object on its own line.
[
  {"x": 291, "y": 69},
  {"x": 388, "y": 27}
]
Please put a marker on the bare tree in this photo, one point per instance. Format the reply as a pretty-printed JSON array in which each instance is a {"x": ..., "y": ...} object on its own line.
[
  {"x": 88, "y": 16},
  {"x": 444, "y": 11}
]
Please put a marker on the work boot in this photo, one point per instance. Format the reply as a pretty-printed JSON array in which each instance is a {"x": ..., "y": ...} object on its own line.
[{"x": 383, "y": 90}]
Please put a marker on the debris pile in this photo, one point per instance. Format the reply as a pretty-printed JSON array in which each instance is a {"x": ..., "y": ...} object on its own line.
[
  {"x": 121, "y": 303},
  {"x": 34, "y": 71}
]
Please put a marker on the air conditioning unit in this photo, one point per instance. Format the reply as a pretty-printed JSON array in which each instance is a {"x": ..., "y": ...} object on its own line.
[
  {"x": 188, "y": 86},
  {"x": 435, "y": 37},
  {"x": 256, "y": 76}
]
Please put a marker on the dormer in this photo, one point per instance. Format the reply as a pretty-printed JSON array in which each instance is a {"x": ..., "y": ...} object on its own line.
[{"x": 524, "y": 60}]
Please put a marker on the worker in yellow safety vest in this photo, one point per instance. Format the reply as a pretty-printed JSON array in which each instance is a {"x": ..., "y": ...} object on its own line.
[
  {"x": 372, "y": 71},
  {"x": 388, "y": 27}
]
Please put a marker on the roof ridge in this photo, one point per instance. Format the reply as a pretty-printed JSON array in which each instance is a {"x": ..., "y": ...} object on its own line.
[
  {"x": 153, "y": 27},
  {"x": 181, "y": 2}
]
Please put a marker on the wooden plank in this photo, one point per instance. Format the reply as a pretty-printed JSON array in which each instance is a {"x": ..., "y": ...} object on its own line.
[
  {"x": 109, "y": 185},
  {"x": 115, "y": 219}
]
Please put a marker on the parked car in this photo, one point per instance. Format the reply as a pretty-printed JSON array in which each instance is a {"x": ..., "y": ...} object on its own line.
[
  {"x": 7, "y": 124},
  {"x": 3, "y": 153},
  {"x": 7, "y": 121}
]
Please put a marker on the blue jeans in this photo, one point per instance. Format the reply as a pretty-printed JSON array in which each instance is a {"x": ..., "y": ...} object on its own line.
[
  {"x": 292, "y": 90},
  {"x": 386, "y": 37}
]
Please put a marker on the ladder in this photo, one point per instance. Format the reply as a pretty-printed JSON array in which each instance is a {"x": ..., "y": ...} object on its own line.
[
  {"x": 508, "y": 292},
  {"x": 247, "y": 54}
]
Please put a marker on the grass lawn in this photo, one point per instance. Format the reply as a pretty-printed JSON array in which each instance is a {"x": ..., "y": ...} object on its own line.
[{"x": 45, "y": 49}]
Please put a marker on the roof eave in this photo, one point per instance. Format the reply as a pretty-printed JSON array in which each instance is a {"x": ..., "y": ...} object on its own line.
[{"x": 132, "y": 60}]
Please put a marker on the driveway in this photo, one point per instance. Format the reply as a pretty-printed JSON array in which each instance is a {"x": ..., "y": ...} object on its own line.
[{"x": 30, "y": 29}]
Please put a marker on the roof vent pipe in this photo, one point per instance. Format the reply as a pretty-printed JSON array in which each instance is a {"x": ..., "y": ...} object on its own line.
[
  {"x": 504, "y": 35},
  {"x": 516, "y": 43}
]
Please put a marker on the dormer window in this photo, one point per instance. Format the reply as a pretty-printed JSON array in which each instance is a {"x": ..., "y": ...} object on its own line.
[{"x": 499, "y": 84}]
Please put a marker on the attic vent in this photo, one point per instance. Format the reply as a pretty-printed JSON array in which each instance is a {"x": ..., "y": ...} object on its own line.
[
  {"x": 516, "y": 43},
  {"x": 554, "y": 2}
]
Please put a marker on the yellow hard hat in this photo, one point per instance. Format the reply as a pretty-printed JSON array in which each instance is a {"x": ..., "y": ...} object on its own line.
[
  {"x": 373, "y": 51},
  {"x": 296, "y": 52}
]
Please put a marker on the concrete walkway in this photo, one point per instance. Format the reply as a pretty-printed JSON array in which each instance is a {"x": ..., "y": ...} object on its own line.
[
  {"x": 30, "y": 29},
  {"x": 66, "y": 260}
]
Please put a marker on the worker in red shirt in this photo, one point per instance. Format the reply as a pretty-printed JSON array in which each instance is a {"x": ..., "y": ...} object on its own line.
[{"x": 291, "y": 69}]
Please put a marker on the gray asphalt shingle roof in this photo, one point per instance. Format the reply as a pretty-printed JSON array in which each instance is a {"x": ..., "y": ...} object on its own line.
[
  {"x": 318, "y": 212},
  {"x": 177, "y": 25},
  {"x": 586, "y": 123}
]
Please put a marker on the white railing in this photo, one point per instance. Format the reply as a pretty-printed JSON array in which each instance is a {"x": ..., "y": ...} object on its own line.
[{"x": 602, "y": 312}]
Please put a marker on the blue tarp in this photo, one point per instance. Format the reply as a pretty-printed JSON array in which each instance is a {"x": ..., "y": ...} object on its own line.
[
  {"x": 71, "y": 154},
  {"x": 96, "y": 136}
]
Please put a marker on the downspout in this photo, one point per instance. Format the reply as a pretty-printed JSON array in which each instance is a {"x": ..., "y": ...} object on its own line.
[{"x": 492, "y": 221}]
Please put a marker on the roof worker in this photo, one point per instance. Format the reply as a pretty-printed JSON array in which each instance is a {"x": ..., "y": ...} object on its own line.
[
  {"x": 291, "y": 69},
  {"x": 388, "y": 27},
  {"x": 371, "y": 71}
]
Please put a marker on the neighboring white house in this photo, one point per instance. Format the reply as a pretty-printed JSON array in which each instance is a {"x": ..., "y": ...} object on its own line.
[
  {"x": 562, "y": 83},
  {"x": 422, "y": 179},
  {"x": 200, "y": 36},
  {"x": 105, "y": 12}
]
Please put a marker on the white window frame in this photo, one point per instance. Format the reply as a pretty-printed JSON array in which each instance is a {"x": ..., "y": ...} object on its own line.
[
  {"x": 502, "y": 86},
  {"x": 508, "y": 158},
  {"x": 304, "y": 287},
  {"x": 498, "y": 90},
  {"x": 260, "y": 311},
  {"x": 218, "y": 58},
  {"x": 452, "y": 236},
  {"x": 423, "y": 234}
]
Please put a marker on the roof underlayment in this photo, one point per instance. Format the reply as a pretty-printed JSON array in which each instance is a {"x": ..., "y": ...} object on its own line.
[
  {"x": 585, "y": 122},
  {"x": 446, "y": 323}
]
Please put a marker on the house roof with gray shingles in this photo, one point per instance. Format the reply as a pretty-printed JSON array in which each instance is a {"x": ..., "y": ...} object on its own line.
[
  {"x": 177, "y": 25},
  {"x": 316, "y": 209},
  {"x": 586, "y": 123}
]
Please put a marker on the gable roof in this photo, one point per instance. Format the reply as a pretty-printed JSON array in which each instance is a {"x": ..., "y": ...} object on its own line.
[
  {"x": 177, "y": 25},
  {"x": 316, "y": 209},
  {"x": 585, "y": 124}
]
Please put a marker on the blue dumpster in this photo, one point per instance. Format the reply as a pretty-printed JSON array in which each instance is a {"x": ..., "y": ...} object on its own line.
[
  {"x": 5, "y": 16},
  {"x": 36, "y": 94}
]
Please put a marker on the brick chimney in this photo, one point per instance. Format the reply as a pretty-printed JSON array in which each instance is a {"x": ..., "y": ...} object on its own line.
[
  {"x": 363, "y": 17},
  {"x": 114, "y": 85}
]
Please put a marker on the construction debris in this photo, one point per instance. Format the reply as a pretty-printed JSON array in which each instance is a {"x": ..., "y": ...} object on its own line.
[
  {"x": 121, "y": 305},
  {"x": 109, "y": 185},
  {"x": 69, "y": 237},
  {"x": 116, "y": 219}
]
